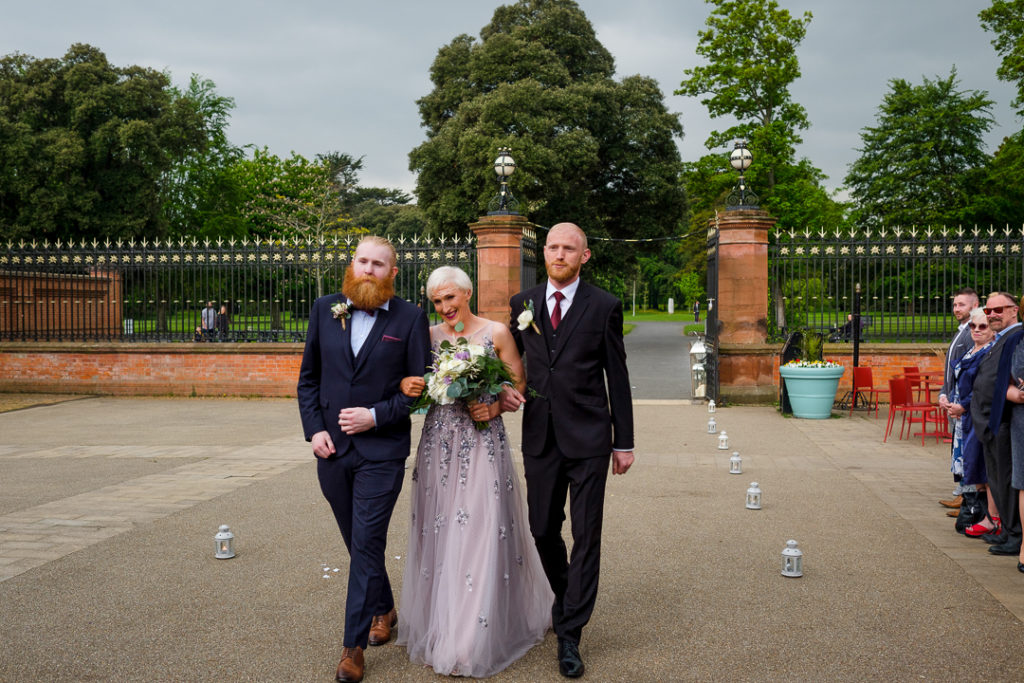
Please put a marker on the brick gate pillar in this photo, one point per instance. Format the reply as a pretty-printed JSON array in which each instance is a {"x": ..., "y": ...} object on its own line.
[
  {"x": 499, "y": 241},
  {"x": 745, "y": 363}
]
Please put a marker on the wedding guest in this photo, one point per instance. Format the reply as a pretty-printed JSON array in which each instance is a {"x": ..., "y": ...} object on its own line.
[
  {"x": 964, "y": 303},
  {"x": 991, "y": 416},
  {"x": 968, "y": 463},
  {"x": 359, "y": 345},
  {"x": 578, "y": 419},
  {"x": 1015, "y": 393}
]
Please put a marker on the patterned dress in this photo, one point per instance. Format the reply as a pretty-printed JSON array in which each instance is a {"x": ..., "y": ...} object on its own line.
[{"x": 474, "y": 594}]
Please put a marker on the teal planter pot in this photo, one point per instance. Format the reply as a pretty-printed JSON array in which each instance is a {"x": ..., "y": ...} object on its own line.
[{"x": 812, "y": 391}]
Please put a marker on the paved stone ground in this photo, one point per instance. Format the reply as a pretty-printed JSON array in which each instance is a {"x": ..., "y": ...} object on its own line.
[{"x": 108, "y": 509}]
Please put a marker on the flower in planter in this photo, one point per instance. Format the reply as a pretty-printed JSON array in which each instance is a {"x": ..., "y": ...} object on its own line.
[{"x": 812, "y": 364}]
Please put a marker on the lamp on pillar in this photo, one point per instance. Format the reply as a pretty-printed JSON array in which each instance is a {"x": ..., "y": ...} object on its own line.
[
  {"x": 504, "y": 203},
  {"x": 741, "y": 197}
]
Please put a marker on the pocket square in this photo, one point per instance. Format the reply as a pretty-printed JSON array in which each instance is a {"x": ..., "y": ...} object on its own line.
[{"x": 389, "y": 338}]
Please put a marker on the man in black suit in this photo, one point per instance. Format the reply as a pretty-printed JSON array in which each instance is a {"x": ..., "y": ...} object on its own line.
[
  {"x": 964, "y": 301},
  {"x": 571, "y": 335},
  {"x": 359, "y": 346},
  {"x": 991, "y": 417}
]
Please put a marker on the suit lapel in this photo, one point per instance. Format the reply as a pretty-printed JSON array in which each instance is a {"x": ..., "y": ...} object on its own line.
[{"x": 571, "y": 319}]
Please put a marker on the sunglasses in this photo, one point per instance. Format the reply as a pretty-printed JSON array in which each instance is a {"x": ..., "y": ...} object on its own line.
[
  {"x": 978, "y": 326},
  {"x": 998, "y": 310}
]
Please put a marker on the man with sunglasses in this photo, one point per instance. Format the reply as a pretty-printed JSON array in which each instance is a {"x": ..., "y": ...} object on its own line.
[
  {"x": 991, "y": 416},
  {"x": 964, "y": 302}
]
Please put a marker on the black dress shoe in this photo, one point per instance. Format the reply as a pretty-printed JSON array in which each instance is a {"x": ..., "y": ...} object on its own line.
[
  {"x": 1008, "y": 548},
  {"x": 569, "y": 662},
  {"x": 995, "y": 539},
  {"x": 1020, "y": 567}
]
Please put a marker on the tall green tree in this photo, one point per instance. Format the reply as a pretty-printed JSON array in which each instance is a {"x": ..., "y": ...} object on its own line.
[
  {"x": 85, "y": 146},
  {"x": 200, "y": 195},
  {"x": 1005, "y": 18},
  {"x": 916, "y": 162},
  {"x": 588, "y": 148},
  {"x": 750, "y": 48}
]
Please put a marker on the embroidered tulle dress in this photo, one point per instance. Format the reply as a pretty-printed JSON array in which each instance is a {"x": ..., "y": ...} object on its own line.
[{"x": 474, "y": 594}]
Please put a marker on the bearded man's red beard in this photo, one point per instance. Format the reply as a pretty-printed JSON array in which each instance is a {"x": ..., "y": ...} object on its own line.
[{"x": 367, "y": 292}]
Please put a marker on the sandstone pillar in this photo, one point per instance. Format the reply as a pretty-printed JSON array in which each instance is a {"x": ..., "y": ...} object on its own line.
[
  {"x": 498, "y": 258},
  {"x": 745, "y": 370}
]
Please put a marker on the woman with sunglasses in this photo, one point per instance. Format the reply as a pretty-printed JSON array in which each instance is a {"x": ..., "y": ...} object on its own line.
[{"x": 968, "y": 460}]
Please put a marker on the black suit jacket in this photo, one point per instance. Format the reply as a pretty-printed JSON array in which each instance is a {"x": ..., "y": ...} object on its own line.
[
  {"x": 566, "y": 375},
  {"x": 331, "y": 378},
  {"x": 961, "y": 344},
  {"x": 985, "y": 388}
]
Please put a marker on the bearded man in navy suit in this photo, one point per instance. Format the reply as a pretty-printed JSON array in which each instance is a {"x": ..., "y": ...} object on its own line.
[
  {"x": 359, "y": 346},
  {"x": 578, "y": 418}
]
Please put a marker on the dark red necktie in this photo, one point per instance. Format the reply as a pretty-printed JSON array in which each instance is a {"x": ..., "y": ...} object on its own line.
[{"x": 556, "y": 312}]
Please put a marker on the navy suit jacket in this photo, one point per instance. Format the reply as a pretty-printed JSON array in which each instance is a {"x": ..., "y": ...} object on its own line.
[
  {"x": 566, "y": 375},
  {"x": 331, "y": 378}
]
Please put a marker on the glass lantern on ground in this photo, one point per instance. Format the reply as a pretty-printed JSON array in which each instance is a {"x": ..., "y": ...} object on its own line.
[
  {"x": 712, "y": 426},
  {"x": 698, "y": 373},
  {"x": 735, "y": 463},
  {"x": 723, "y": 441},
  {"x": 225, "y": 543},
  {"x": 792, "y": 560},
  {"x": 753, "y": 497}
]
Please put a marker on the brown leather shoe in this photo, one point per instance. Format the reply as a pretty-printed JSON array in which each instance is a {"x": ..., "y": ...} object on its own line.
[
  {"x": 955, "y": 503},
  {"x": 953, "y": 513},
  {"x": 380, "y": 627},
  {"x": 350, "y": 668}
]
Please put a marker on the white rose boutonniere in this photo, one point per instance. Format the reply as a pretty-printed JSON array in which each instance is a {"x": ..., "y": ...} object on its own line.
[
  {"x": 340, "y": 312},
  {"x": 525, "y": 318}
]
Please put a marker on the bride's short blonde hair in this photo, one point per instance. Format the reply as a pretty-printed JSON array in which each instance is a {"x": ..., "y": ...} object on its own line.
[{"x": 448, "y": 275}]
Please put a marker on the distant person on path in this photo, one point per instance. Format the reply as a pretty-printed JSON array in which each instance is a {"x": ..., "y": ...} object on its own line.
[
  {"x": 359, "y": 345},
  {"x": 578, "y": 419},
  {"x": 223, "y": 323},
  {"x": 991, "y": 416},
  {"x": 696, "y": 310},
  {"x": 208, "y": 320},
  {"x": 964, "y": 303}
]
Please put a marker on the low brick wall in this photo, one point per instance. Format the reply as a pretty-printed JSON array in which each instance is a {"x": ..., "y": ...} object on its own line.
[
  {"x": 749, "y": 373},
  {"x": 200, "y": 369}
]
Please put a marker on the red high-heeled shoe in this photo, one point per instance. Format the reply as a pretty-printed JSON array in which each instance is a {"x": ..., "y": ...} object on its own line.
[{"x": 978, "y": 530}]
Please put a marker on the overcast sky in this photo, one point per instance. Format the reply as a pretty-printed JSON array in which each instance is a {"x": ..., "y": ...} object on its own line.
[{"x": 313, "y": 76}]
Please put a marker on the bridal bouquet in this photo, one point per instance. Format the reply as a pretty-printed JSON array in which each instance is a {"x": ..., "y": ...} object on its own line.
[{"x": 462, "y": 371}]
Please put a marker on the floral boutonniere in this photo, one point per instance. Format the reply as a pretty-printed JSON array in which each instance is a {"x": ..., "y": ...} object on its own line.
[
  {"x": 525, "y": 318},
  {"x": 340, "y": 312}
]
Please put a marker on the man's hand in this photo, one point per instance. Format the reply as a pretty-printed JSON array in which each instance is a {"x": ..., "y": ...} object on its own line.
[
  {"x": 956, "y": 410},
  {"x": 412, "y": 386},
  {"x": 621, "y": 461},
  {"x": 323, "y": 447},
  {"x": 510, "y": 399},
  {"x": 355, "y": 420}
]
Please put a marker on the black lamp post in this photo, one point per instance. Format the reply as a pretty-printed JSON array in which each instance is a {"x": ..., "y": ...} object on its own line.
[
  {"x": 504, "y": 202},
  {"x": 741, "y": 197}
]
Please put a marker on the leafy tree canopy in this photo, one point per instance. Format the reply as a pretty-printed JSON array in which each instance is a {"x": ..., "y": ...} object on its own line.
[
  {"x": 917, "y": 161},
  {"x": 1005, "y": 18},
  {"x": 750, "y": 48},
  {"x": 588, "y": 149},
  {"x": 85, "y": 146}
]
